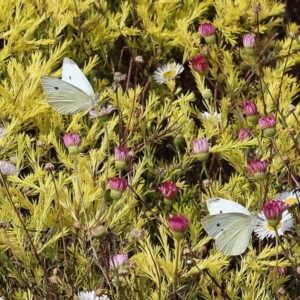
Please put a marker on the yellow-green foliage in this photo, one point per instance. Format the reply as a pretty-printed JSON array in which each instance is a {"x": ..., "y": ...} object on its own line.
[{"x": 52, "y": 210}]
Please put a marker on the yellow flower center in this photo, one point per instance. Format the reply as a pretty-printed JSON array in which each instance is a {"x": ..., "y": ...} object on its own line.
[
  {"x": 169, "y": 74},
  {"x": 270, "y": 228},
  {"x": 291, "y": 201}
]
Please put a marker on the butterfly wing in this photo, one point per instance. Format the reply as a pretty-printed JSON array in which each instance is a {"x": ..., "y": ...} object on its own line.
[
  {"x": 73, "y": 75},
  {"x": 65, "y": 98},
  {"x": 220, "y": 205},
  {"x": 231, "y": 231}
]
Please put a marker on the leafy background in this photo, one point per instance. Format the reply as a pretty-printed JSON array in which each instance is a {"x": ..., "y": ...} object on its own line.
[{"x": 104, "y": 37}]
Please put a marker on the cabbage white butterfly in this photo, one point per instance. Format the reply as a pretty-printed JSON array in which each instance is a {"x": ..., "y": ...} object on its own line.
[
  {"x": 230, "y": 225},
  {"x": 72, "y": 93}
]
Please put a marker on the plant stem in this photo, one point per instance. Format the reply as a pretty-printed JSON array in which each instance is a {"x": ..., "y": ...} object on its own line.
[{"x": 177, "y": 253}]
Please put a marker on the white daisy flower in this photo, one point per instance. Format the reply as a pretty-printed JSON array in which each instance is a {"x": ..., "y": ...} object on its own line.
[
  {"x": 206, "y": 116},
  {"x": 7, "y": 168},
  {"x": 263, "y": 230},
  {"x": 91, "y": 296},
  {"x": 289, "y": 198},
  {"x": 104, "y": 111},
  {"x": 167, "y": 72}
]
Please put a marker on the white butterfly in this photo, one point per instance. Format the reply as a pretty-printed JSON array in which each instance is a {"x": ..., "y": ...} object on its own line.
[
  {"x": 230, "y": 224},
  {"x": 72, "y": 93}
]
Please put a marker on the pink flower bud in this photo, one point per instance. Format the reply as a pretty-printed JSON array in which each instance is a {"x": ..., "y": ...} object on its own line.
[
  {"x": 208, "y": 30},
  {"x": 117, "y": 186},
  {"x": 200, "y": 147},
  {"x": 118, "y": 260},
  {"x": 273, "y": 210},
  {"x": 168, "y": 190},
  {"x": 268, "y": 125},
  {"x": 178, "y": 226},
  {"x": 72, "y": 141},
  {"x": 244, "y": 134},
  {"x": 250, "y": 107},
  {"x": 258, "y": 168},
  {"x": 121, "y": 157},
  {"x": 249, "y": 40},
  {"x": 200, "y": 64}
]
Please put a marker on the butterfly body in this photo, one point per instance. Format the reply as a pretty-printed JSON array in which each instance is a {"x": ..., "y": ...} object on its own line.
[
  {"x": 71, "y": 94},
  {"x": 230, "y": 224}
]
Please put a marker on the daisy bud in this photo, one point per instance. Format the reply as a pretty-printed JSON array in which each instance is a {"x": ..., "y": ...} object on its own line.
[
  {"x": 249, "y": 43},
  {"x": 178, "y": 226},
  {"x": 49, "y": 167},
  {"x": 139, "y": 59},
  {"x": 118, "y": 260},
  {"x": 207, "y": 94},
  {"x": 250, "y": 110},
  {"x": 121, "y": 157},
  {"x": 244, "y": 134},
  {"x": 208, "y": 31},
  {"x": 72, "y": 141},
  {"x": 257, "y": 8},
  {"x": 200, "y": 64},
  {"x": 258, "y": 168},
  {"x": 169, "y": 191},
  {"x": 273, "y": 212},
  {"x": 268, "y": 125},
  {"x": 200, "y": 147},
  {"x": 117, "y": 187}
]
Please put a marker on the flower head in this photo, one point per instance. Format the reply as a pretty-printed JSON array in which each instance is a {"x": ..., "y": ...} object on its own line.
[
  {"x": 264, "y": 230},
  {"x": 200, "y": 147},
  {"x": 119, "y": 262},
  {"x": 268, "y": 125},
  {"x": 206, "y": 116},
  {"x": 273, "y": 210},
  {"x": 168, "y": 190},
  {"x": 289, "y": 198},
  {"x": 200, "y": 64},
  {"x": 72, "y": 141},
  {"x": 7, "y": 168},
  {"x": 258, "y": 168},
  {"x": 250, "y": 108},
  {"x": 103, "y": 113},
  {"x": 117, "y": 186},
  {"x": 244, "y": 134},
  {"x": 91, "y": 296},
  {"x": 178, "y": 226},
  {"x": 208, "y": 31},
  {"x": 167, "y": 72},
  {"x": 267, "y": 122},
  {"x": 249, "y": 40},
  {"x": 121, "y": 157}
]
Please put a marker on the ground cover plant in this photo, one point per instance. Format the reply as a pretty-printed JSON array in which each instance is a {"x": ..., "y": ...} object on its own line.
[{"x": 163, "y": 165}]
